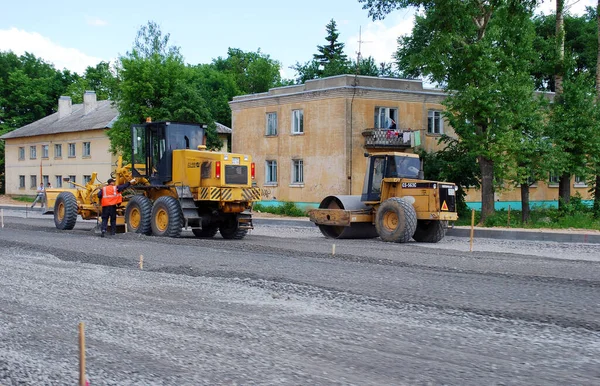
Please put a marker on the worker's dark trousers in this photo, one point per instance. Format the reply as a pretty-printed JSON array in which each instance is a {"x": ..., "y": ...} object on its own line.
[{"x": 109, "y": 211}]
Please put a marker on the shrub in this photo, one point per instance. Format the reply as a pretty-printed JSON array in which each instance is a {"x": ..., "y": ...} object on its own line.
[{"x": 286, "y": 208}]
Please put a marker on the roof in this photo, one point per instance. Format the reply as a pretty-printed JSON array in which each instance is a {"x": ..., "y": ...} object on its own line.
[
  {"x": 100, "y": 118},
  {"x": 222, "y": 129}
]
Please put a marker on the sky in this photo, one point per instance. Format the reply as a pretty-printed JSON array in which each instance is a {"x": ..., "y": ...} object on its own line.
[{"x": 78, "y": 34}]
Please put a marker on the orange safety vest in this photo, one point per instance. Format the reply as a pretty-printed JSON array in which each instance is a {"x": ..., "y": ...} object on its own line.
[{"x": 110, "y": 196}]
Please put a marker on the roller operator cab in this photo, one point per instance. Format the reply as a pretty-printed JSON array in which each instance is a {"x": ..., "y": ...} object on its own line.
[
  {"x": 205, "y": 190},
  {"x": 396, "y": 204}
]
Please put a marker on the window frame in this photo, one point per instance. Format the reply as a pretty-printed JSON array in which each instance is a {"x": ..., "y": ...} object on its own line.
[
  {"x": 432, "y": 119},
  {"x": 269, "y": 130},
  {"x": 270, "y": 169},
  {"x": 297, "y": 120},
  {"x": 72, "y": 154},
  {"x": 297, "y": 171},
  {"x": 21, "y": 153},
  {"x": 45, "y": 152},
  {"x": 86, "y": 149},
  {"x": 384, "y": 112},
  {"x": 33, "y": 181},
  {"x": 33, "y": 152},
  {"x": 553, "y": 179},
  {"x": 58, "y": 180},
  {"x": 86, "y": 178},
  {"x": 58, "y": 154},
  {"x": 22, "y": 181}
]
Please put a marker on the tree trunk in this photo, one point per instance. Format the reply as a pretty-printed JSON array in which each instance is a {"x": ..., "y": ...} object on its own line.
[
  {"x": 525, "y": 203},
  {"x": 486, "y": 167},
  {"x": 564, "y": 190},
  {"x": 559, "y": 70}
]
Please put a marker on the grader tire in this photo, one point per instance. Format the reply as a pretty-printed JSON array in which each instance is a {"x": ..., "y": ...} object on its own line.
[
  {"x": 230, "y": 229},
  {"x": 430, "y": 231},
  {"x": 206, "y": 232},
  {"x": 166, "y": 217},
  {"x": 65, "y": 211},
  {"x": 396, "y": 220},
  {"x": 138, "y": 215}
]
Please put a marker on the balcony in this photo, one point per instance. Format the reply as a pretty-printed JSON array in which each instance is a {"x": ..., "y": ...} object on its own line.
[{"x": 391, "y": 139}]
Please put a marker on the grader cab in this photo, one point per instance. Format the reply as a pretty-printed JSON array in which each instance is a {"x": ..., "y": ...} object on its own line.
[
  {"x": 179, "y": 184},
  {"x": 396, "y": 204}
]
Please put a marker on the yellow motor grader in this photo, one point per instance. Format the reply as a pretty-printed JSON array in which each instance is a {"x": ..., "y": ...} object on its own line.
[
  {"x": 178, "y": 184},
  {"x": 396, "y": 204}
]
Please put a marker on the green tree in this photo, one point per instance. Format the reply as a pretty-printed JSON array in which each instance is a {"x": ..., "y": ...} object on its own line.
[
  {"x": 329, "y": 60},
  {"x": 253, "y": 72},
  {"x": 480, "y": 51},
  {"x": 155, "y": 82}
]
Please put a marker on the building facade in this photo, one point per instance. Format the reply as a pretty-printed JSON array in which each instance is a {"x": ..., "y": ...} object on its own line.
[
  {"x": 309, "y": 140},
  {"x": 71, "y": 143}
]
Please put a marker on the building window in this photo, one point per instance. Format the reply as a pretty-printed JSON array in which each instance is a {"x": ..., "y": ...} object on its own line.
[
  {"x": 271, "y": 123},
  {"x": 384, "y": 117},
  {"x": 72, "y": 179},
  {"x": 554, "y": 179},
  {"x": 45, "y": 180},
  {"x": 21, "y": 153},
  {"x": 86, "y": 149},
  {"x": 57, "y": 151},
  {"x": 297, "y": 171},
  {"x": 21, "y": 182},
  {"x": 71, "y": 150},
  {"x": 33, "y": 182},
  {"x": 44, "y": 151},
  {"x": 580, "y": 181},
  {"x": 297, "y": 121},
  {"x": 435, "y": 123},
  {"x": 58, "y": 182},
  {"x": 32, "y": 152},
  {"x": 270, "y": 172},
  {"x": 86, "y": 179}
]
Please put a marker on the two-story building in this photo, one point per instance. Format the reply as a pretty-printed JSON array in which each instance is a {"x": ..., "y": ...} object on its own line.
[
  {"x": 71, "y": 143},
  {"x": 308, "y": 141}
]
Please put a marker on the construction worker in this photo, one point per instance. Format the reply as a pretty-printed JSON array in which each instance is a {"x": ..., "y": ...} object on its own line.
[
  {"x": 40, "y": 196},
  {"x": 110, "y": 196}
]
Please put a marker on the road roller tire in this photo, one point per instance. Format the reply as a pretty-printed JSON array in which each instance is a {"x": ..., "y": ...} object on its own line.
[
  {"x": 138, "y": 215},
  {"x": 166, "y": 217},
  {"x": 65, "y": 211},
  {"x": 396, "y": 220},
  {"x": 354, "y": 231},
  {"x": 430, "y": 231}
]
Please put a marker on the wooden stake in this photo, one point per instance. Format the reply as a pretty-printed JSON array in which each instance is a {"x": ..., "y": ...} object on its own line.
[
  {"x": 472, "y": 228},
  {"x": 333, "y": 249},
  {"x": 509, "y": 216},
  {"x": 82, "y": 378},
  {"x": 141, "y": 264},
  {"x": 125, "y": 227},
  {"x": 2, "y": 216}
]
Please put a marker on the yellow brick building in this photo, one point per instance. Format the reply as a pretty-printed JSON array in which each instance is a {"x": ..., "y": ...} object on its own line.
[{"x": 308, "y": 141}]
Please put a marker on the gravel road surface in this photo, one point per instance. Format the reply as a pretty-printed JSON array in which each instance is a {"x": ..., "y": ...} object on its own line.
[{"x": 279, "y": 308}]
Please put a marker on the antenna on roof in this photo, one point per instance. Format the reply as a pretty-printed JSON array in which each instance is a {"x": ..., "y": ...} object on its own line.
[{"x": 360, "y": 42}]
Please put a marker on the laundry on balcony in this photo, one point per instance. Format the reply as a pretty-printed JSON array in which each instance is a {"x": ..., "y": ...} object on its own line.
[{"x": 388, "y": 138}]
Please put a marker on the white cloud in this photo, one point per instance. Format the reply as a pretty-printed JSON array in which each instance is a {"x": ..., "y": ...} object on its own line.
[
  {"x": 95, "y": 22},
  {"x": 20, "y": 41}
]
